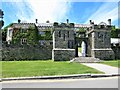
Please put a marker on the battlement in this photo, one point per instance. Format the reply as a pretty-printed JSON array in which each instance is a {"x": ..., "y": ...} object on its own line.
[
  {"x": 63, "y": 25},
  {"x": 99, "y": 28},
  {"x": 104, "y": 27},
  {"x": 101, "y": 25}
]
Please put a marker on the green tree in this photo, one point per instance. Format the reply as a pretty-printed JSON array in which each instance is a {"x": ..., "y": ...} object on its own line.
[
  {"x": 115, "y": 32},
  {"x": 4, "y": 32}
]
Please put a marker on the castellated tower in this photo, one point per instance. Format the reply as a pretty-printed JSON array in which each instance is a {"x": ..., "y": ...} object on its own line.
[
  {"x": 63, "y": 42},
  {"x": 99, "y": 38}
]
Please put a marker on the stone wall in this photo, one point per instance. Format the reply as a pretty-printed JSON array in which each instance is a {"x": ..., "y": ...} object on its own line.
[
  {"x": 99, "y": 42},
  {"x": 63, "y": 54},
  {"x": 116, "y": 50},
  {"x": 26, "y": 52},
  {"x": 103, "y": 54}
]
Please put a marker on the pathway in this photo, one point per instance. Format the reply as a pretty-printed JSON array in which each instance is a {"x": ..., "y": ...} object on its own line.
[{"x": 104, "y": 68}]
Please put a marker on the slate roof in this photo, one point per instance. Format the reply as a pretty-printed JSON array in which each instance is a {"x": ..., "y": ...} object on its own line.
[{"x": 23, "y": 25}]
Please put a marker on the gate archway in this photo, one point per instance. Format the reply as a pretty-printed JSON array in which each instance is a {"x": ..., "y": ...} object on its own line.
[
  {"x": 81, "y": 39},
  {"x": 79, "y": 42}
]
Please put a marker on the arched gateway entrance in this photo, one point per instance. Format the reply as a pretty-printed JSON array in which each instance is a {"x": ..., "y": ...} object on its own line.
[{"x": 83, "y": 44}]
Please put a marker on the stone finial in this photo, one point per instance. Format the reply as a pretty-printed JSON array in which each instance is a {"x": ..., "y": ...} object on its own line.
[
  {"x": 36, "y": 20},
  {"x": 19, "y": 20},
  {"x": 67, "y": 20},
  {"x": 47, "y": 21},
  {"x": 90, "y": 21},
  {"x": 109, "y": 21}
]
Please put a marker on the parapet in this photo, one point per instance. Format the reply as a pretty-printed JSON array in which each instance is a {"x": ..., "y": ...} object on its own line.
[
  {"x": 101, "y": 27},
  {"x": 63, "y": 25}
]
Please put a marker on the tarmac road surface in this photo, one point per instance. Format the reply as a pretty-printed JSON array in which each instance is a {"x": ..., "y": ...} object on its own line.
[{"x": 104, "y": 82}]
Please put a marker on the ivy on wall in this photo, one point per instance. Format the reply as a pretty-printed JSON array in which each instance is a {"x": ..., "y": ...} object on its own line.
[
  {"x": 80, "y": 32},
  {"x": 30, "y": 34},
  {"x": 47, "y": 35}
]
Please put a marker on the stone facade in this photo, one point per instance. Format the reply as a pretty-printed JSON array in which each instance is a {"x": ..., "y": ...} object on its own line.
[
  {"x": 100, "y": 44},
  {"x": 63, "y": 42}
]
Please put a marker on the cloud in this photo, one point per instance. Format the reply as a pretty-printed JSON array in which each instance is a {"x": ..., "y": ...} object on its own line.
[
  {"x": 105, "y": 12},
  {"x": 54, "y": 10},
  {"x": 42, "y": 10}
]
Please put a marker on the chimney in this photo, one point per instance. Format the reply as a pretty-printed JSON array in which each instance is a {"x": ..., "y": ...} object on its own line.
[
  {"x": 36, "y": 20},
  {"x": 109, "y": 22},
  {"x": 19, "y": 20},
  {"x": 90, "y": 21},
  {"x": 67, "y": 20}
]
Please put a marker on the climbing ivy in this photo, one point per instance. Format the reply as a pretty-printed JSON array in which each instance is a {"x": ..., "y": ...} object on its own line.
[
  {"x": 31, "y": 35},
  {"x": 46, "y": 36},
  {"x": 82, "y": 30}
]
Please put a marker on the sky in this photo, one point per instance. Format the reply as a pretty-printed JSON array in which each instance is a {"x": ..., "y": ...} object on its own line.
[{"x": 59, "y": 10}]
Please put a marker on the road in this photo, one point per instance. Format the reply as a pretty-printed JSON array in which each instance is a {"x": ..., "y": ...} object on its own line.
[{"x": 104, "y": 82}]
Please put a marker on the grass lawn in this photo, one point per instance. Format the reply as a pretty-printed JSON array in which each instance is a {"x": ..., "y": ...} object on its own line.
[
  {"x": 79, "y": 49},
  {"x": 115, "y": 63},
  {"x": 40, "y": 68}
]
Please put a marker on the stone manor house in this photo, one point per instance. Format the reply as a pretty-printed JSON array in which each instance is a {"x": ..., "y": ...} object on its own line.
[{"x": 65, "y": 38}]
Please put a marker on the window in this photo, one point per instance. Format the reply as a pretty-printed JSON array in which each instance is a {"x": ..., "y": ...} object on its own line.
[
  {"x": 118, "y": 35},
  {"x": 70, "y": 44},
  {"x": 10, "y": 32},
  {"x": 59, "y": 33},
  {"x": 42, "y": 33},
  {"x": 51, "y": 43},
  {"x": 42, "y": 42},
  {"x": 68, "y": 34},
  {"x": 23, "y": 40},
  {"x": 23, "y": 30},
  {"x": 64, "y": 37}
]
